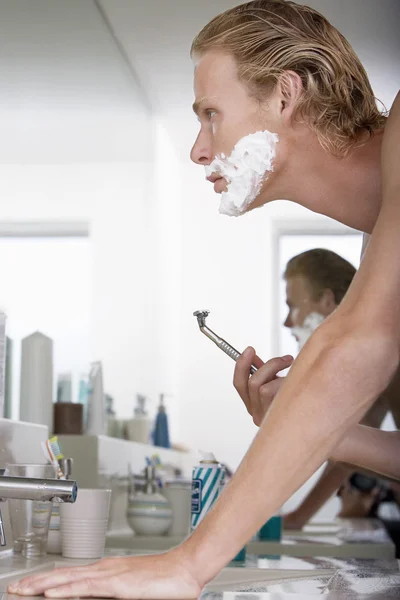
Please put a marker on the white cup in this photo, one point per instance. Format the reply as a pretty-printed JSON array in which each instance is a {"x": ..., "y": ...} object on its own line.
[
  {"x": 179, "y": 495},
  {"x": 84, "y": 524}
]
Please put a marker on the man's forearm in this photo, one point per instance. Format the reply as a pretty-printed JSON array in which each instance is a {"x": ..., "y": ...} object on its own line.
[
  {"x": 371, "y": 449},
  {"x": 330, "y": 481},
  {"x": 309, "y": 416},
  {"x": 335, "y": 473}
]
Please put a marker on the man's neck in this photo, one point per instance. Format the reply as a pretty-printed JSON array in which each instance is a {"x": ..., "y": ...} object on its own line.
[{"x": 345, "y": 189}]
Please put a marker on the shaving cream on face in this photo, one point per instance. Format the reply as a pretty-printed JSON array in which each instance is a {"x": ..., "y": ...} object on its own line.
[
  {"x": 244, "y": 170},
  {"x": 303, "y": 332}
]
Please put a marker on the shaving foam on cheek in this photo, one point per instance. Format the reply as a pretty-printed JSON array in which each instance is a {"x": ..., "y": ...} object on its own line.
[
  {"x": 304, "y": 332},
  {"x": 244, "y": 170}
]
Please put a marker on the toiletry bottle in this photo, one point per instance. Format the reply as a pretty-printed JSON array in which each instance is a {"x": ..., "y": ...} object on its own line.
[
  {"x": 83, "y": 390},
  {"x": 138, "y": 429},
  {"x": 112, "y": 424},
  {"x": 208, "y": 481},
  {"x": 64, "y": 387},
  {"x": 272, "y": 529},
  {"x": 96, "y": 414},
  {"x": 161, "y": 431},
  {"x": 36, "y": 391}
]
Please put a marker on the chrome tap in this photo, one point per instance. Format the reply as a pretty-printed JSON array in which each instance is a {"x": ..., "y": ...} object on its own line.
[{"x": 42, "y": 490}]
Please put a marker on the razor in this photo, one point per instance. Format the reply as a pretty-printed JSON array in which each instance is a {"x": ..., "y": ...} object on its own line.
[{"x": 201, "y": 316}]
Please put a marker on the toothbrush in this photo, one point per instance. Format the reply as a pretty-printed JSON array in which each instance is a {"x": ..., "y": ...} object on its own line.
[{"x": 52, "y": 452}]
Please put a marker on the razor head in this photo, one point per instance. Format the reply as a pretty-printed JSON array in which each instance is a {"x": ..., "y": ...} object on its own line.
[{"x": 201, "y": 317}]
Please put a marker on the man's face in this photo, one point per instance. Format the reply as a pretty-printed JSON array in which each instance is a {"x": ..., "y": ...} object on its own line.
[
  {"x": 301, "y": 302},
  {"x": 228, "y": 113}
]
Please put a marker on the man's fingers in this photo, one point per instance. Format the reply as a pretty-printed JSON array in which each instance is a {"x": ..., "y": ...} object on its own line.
[
  {"x": 248, "y": 387},
  {"x": 269, "y": 370},
  {"x": 85, "y": 588},
  {"x": 257, "y": 361},
  {"x": 266, "y": 395},
  {"x": 269, "y": 390},
  {"x": 33, "y": 585},
  {"x": 242, "y": 373},
  {"x": 265, "y": 375}
]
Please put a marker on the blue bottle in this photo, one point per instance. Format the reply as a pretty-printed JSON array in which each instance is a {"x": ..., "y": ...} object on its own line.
[{"x": 161, "y": 431}]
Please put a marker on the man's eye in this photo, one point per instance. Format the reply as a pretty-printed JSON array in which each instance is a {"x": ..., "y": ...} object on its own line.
[{"x": 210, "y": 114}]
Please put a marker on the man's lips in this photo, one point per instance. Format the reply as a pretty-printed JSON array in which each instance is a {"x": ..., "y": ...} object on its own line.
[
  {"x": 213, "y": 178},
  {"x": 218, "y": 181}
]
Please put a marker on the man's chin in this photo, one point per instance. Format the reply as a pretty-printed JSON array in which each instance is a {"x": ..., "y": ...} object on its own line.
[{"x": 230, "y": 208}]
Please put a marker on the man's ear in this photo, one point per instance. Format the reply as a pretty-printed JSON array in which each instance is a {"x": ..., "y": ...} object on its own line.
[
  {"x": 290, "y": 90},
  {"x": 327, "y": 301}
]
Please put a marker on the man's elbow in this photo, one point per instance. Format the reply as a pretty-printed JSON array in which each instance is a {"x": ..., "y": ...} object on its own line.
[{"x": 368, "y": 356}]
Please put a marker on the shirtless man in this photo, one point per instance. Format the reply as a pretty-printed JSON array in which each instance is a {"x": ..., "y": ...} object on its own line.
[{"x": 282, "y": 70}]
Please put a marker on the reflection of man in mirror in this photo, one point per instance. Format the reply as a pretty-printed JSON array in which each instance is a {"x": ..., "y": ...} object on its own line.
[{"x": 316, "y": 282}]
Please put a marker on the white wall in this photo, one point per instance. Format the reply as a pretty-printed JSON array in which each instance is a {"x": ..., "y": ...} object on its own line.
[
  {"x": 163, "y": 361},
  {"x": 67, "y": 95}
]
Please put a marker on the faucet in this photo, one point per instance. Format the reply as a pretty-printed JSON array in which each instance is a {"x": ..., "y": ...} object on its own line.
[{"x": 42, "y": 490}]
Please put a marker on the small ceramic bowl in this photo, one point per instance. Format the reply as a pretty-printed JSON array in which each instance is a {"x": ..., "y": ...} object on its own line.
[{"x": 149, "y": 514}]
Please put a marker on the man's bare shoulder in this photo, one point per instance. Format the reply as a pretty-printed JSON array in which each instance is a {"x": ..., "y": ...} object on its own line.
[
  {"x": 391, "y": 147},
  {"x": 392, "y": 128},
  {"x": 395, "y": 110}
]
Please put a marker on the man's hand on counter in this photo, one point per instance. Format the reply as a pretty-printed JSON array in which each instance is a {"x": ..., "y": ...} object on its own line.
[{"x": 160, "y": 576}]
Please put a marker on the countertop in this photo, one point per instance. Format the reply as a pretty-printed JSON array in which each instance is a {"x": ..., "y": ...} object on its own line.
[
  {"x": 284, "y": 577},
  {"x": 342, "y": 538},
  {"x": 265, "y": 579}
]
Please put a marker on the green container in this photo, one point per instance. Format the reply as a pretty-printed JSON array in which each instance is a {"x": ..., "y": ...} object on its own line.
[
  {"x": 241, "y": 556},
  {"x": 272, "y": 530}
]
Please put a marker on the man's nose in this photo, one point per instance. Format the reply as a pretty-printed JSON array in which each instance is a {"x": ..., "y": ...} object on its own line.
[
  {"x": 288, "y": 321},
  {"x": 201, "y": 153}
]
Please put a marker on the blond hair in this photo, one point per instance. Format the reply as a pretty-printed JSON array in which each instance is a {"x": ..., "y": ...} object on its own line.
[
  {"x": 323, "y": 270},
  {"x": 268, "y": 37}
]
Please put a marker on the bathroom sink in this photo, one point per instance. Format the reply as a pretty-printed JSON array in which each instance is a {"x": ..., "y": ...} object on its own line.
[
  {"x": 268, "y": 580},
  {"x": 230, "y": 578},
  {"x": 277, "y": 579}
]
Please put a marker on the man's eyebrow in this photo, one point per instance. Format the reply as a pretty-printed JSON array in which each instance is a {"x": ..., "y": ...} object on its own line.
[{"x": 196, "y": 106}]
